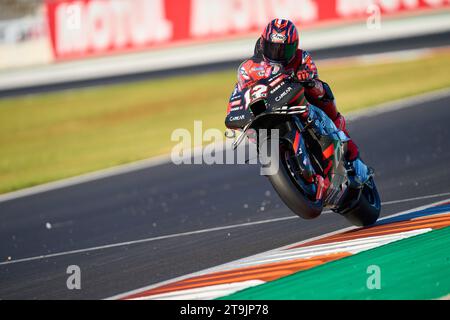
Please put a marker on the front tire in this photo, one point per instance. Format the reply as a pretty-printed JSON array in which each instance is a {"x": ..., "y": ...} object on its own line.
[{"x": 286, "y": 185}]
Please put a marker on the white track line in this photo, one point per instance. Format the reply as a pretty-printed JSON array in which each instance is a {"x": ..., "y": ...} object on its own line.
[
  {"x": 92, "y": 176},
  {"x": 188, "y": 233},
  {"x": 416, "y": 198},
  {"x": 164, "y": 159},
  {"x": 133, "y": 242},
  {"x": 225, "y": 266}
]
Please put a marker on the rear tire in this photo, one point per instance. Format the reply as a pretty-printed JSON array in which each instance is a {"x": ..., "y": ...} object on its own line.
[
  {"x": 367, "y": 211},
  {"x": 290, "y": 192}
]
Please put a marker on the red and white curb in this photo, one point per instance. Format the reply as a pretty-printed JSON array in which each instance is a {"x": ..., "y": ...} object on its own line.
[{"x": 271, "y": 265}]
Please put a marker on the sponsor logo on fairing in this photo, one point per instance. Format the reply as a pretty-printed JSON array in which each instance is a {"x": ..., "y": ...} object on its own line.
[
  {"x": 277, "y": 88},
  {"x": 235, "y": 103},
  {"x": 260, "y": 71},
  {"x": 244, "y": 73},
  {"x": 235, "y": 94},
  {"x": 275, "y": 68},
  {"x": 283, "y": 94},
  {"x": 291, "y": 109},
  {"x": 241, "y": 117},
  {"x": 275, "y": 80}
]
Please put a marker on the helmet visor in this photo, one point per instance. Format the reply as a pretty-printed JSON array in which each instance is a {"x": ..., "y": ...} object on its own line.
[{"x": 279, "y": 52}]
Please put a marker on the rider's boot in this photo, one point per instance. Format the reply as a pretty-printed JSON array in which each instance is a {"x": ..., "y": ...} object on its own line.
[{"x": 355, "y": 166}]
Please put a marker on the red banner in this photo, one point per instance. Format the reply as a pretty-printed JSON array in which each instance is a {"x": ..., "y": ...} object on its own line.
[{"x": 81, "y": 28}]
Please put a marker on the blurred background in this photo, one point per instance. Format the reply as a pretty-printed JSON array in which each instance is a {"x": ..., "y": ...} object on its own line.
[
  {"x": 90, "y": 84},
  {"x": 87, "y": 85}
]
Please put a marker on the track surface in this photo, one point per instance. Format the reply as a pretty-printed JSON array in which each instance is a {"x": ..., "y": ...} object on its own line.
[
  {"x": 392, "y": 45},
  {"x": 408, "y": 148}
]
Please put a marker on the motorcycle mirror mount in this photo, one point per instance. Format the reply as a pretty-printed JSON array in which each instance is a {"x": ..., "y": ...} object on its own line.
[
  {"x": 241, "y": 137},
  {"x": 230, "y": 133}
]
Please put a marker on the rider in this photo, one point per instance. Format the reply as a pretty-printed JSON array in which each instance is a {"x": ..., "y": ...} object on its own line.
[{"x": 278, "y": 44}]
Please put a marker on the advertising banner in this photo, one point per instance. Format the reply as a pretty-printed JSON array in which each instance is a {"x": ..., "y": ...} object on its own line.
[{"x": 83, "y": 28}]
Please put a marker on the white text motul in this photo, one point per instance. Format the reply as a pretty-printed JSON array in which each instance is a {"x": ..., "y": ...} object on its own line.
[
  {"x": 100, "y": 25},
  {"x": 346, "y": 8},
  {"x": 219, "y": 17}
]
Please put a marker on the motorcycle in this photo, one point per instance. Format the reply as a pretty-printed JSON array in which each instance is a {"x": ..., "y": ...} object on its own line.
[{"x": 313, "y": 173}]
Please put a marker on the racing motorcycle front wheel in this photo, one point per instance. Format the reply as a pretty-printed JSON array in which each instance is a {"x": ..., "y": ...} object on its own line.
[{"x": 290, "y": 185}]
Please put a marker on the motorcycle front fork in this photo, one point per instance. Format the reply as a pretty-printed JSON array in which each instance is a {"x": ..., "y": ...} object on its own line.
[{"x": 304, "y": 162}]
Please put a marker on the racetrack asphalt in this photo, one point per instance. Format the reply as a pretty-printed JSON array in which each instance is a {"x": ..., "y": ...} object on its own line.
[{"x": 407, "y": 147}]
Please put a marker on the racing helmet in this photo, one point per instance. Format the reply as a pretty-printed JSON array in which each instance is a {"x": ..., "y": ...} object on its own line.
[{"x": 279, "y": 41}]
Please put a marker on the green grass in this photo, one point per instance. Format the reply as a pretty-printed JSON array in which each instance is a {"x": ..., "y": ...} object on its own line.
[{"x": 52, "y": 136}]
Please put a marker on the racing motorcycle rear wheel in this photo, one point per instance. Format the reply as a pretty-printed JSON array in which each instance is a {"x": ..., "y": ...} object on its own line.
[{"x": 367, "y": 210}]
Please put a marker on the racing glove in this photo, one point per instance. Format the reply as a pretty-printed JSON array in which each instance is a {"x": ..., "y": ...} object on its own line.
[{"x": 305, "y": 75}]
